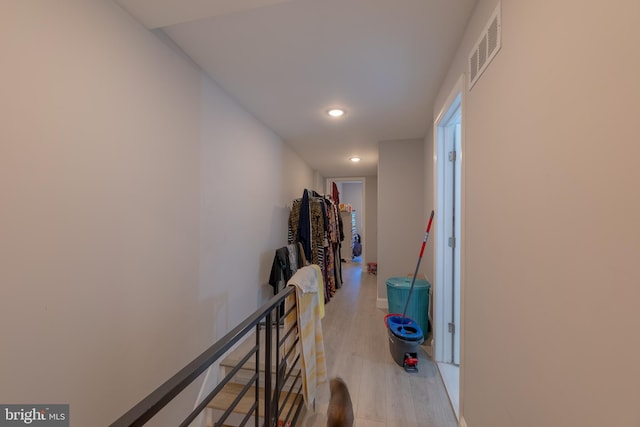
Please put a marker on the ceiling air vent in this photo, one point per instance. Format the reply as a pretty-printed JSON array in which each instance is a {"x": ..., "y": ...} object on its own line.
[{"x": 486, "y": 48}]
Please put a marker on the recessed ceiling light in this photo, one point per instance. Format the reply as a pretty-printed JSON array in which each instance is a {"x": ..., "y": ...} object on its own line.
[
  {"x": 355, "y": 159},
  {"x": 335, "y": 112}
]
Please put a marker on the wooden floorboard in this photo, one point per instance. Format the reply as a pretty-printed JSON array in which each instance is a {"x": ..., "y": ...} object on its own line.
[{"x": 357, "y": 349}]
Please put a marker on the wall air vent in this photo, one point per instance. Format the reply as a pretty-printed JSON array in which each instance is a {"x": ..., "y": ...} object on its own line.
[{"x": 485, "y": 48}]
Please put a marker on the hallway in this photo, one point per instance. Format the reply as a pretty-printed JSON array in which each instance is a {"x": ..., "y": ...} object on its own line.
[{"x": 357, "y": 350}]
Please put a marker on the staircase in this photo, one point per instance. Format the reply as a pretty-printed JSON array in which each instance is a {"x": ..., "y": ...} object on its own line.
[
  {"x": 260, "y": 382},
  {"x": 245, "y": 393}
]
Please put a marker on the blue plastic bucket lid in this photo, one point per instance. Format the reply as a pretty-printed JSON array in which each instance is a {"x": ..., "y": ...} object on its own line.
[{"x": 404, "y": 327}]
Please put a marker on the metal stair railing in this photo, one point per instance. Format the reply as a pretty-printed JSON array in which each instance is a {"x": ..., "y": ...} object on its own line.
[{"x": 270, "y": 314}]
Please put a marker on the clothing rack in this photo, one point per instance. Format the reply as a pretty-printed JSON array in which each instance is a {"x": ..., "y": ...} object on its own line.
[{"x": 315, "y": 223}]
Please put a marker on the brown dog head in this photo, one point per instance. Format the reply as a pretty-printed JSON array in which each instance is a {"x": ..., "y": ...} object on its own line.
[{"x": 340, "y": 412}]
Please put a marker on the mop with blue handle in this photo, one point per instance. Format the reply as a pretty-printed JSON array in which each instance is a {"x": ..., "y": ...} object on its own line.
[{"x": 413, "y": 281}]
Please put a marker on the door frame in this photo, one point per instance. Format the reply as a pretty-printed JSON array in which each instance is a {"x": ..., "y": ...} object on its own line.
[
  {"x": 440, "y": 156},
  {"x": 448, "y": 208}
]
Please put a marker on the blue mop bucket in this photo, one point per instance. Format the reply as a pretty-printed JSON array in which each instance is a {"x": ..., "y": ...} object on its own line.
[
  {"x": 405, "y": 335},
  {"x": 404, "y": 328}
]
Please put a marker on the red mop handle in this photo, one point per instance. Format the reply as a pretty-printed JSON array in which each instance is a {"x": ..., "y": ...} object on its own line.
[
  {"x": 413, "y": 280},
  {"x": 426, "y": 234}
]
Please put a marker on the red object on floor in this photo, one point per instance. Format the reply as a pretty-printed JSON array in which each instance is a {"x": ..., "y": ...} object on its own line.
[
  {"x": 372, "y": 267},
  {"x": 411, "y": 361}
]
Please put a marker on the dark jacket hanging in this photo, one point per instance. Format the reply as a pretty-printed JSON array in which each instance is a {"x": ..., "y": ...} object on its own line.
[
  {"x": 304, "y": 225},
  {"x": 280, "y": 270}
]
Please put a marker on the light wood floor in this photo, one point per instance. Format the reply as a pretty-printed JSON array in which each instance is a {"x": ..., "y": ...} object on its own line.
[{"x": 357, "y": 349}]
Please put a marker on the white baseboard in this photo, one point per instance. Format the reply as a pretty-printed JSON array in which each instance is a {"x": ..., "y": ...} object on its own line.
[
  {"x": 382, "y": 303},
  {"x": 463, "y": 423}
]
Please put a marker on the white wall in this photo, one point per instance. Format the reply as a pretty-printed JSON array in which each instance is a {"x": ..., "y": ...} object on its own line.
[
  {"x": 401, "y": 220},
  {"x": 318, "y": 183},
  {"x": 552, "y": 238},
  {"x": 371, "y": 219},
  {"x": 245, "y": 206},
  {"x": 131, "y": 234}
]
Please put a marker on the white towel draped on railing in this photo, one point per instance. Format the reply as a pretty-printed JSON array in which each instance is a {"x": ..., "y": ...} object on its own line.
[{"x": 309, "y": 311}]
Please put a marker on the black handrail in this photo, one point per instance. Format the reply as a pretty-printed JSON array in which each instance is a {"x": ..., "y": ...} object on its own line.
[{"x": 160, "y": 397}]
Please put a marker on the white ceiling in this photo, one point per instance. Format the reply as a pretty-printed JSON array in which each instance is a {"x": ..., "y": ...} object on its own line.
[{"x": 288, "y": 61}]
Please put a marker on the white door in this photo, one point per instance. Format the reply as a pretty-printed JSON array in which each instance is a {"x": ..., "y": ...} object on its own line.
[{"x": 450, "y": 233}]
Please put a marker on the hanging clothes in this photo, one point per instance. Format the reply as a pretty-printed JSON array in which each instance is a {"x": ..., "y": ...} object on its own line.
[
  {"x": 335, "y": 194},
  {"x": 314, "y": 224},
  {"x": 280, "y": 270},
  {"x": 334, "y": 242},
  {"x": 305, "y": 227}
]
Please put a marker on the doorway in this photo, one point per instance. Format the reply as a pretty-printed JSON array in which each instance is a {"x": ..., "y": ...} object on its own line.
[
  {"x": 352, "y": 192},
  {"x": 448, "y": 144}
]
